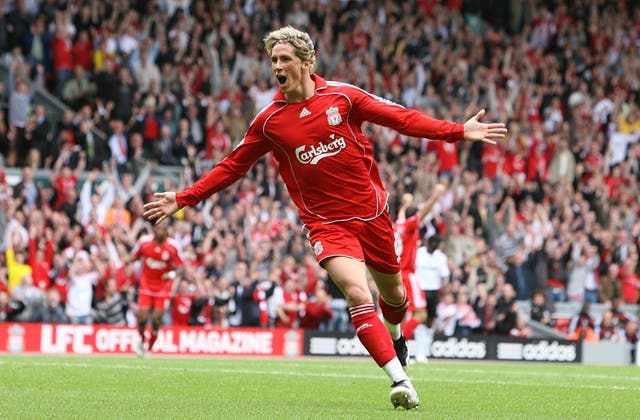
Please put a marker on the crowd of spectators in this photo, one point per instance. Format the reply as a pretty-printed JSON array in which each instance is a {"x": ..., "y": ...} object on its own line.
[{"x": 549, "y": 215}]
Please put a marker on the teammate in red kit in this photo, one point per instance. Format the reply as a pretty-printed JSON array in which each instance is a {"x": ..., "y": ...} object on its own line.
[
  {"x": 407, "y": 231},
  {"x": 160, "y": 258},
  {"x": 313, "y": 129}
]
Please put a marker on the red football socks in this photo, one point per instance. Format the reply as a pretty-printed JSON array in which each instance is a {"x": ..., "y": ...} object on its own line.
[
  {"x": 394, "y": 314},
  {"x": 372, "y": 333},
  {"x": 152, "y": 339}
]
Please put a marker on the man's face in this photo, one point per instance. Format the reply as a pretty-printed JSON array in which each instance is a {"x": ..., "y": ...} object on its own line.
[
  {"x": 287, "y": 67},
  {"x": 160, "y": 232}
]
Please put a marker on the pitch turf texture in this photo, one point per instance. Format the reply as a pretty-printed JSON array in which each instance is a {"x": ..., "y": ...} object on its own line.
[{"x": 69, "y": 387}]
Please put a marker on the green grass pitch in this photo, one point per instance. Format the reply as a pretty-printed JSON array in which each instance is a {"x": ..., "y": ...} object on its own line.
[{"x": 70, "y": 387}]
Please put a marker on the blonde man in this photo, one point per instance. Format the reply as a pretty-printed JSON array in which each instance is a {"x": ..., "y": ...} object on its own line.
[{"x": 313, "y": 128}]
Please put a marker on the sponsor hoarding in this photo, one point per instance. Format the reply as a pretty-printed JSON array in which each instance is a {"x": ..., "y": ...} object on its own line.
[
  {"x": 103, "y": 339},
  {"x": 465, "y": 348}
]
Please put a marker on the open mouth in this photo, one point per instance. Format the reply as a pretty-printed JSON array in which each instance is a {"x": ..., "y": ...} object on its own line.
[{"x": 281, "y": 79}]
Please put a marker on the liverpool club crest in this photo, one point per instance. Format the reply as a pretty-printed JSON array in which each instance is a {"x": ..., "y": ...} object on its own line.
[{"x": 333, "y": 116}]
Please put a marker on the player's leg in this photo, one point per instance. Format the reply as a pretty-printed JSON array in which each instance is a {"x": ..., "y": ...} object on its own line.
[
  {"x": 377, "y": 239},
  {"x": 430, "y": 327},
  {"x": 144, "y": 309},
  {"x": 393, "y": 305},
  {"x": 159, "y": 305},
  {"x": 412, "y": 318},
  {"x": 421, "y": 336},
  {"x": 350, "y": 276},
  {"x": 414, "y": 327}
]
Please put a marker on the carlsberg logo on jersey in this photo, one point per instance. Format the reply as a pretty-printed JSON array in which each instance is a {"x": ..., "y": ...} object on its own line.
[{"x": 311, "y": 155}]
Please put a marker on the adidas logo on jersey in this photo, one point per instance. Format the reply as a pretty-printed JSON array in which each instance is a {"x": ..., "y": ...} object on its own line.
[{"x": 304, "y": 113}]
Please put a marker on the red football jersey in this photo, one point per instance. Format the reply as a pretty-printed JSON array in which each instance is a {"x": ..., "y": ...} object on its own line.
[
  {"x": 491, "y": 158},
  {"x": 447, "y": 155},
  {"x": 181, "y": 309},
  {"x": 407, "y": 233},
  {"x": 324, "y": 158},
  {"x": 157, "y": 260},
  {"x": 291, "y": 298}
]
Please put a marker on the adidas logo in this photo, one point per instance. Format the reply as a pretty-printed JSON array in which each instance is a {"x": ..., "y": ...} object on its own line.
[{"x": 304, "y": 113}]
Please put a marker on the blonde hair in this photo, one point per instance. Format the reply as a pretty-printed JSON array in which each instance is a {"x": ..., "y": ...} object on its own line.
[{"x": 301, "y": 41}]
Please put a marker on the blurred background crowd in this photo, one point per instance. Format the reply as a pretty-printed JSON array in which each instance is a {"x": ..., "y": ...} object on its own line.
[{"x": 550, "y": 215}]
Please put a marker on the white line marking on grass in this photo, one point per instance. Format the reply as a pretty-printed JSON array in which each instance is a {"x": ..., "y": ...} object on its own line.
[
  {"x": 335, "y": 375},
  {"x": 540, "y": 374}
]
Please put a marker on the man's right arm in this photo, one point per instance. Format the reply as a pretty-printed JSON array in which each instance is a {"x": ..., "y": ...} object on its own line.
[
  {"x": 227, "y": 171},
  {"x": 438, "y": 190}
]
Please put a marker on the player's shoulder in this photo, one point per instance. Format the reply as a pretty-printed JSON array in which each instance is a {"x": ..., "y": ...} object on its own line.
[
  {"x": 354, "y": 91},
  {"x": 413, "y": 221},
  {"x": 172, "y": 243},
  {"x": 342, "y": 87},
  {"x": 267, "y": 111},
  {"x": 145, "y": 239}
]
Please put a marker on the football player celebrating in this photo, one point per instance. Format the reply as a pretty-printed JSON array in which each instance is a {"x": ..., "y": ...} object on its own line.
[
  {"x": 313, "y": 129},
  {"x": 407, "y": 230}
]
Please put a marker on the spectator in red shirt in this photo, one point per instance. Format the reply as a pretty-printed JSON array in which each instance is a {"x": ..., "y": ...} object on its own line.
[
  {"x": 447, "y": 156},
  {"x": 40, "y": 257},
  {"x": 181, "y": 304},
  {"x": 218, "y": 142},
  {"x": 64, "y": 177},
  {"x": 317, "y": 310},
  {"x": 62, "y": 58},
  {"x": 82, "y": 51},
  {"x": 629, "y": 280},
  {"x": 492, "y": 158},
  {"x": 291, "y": 307}
]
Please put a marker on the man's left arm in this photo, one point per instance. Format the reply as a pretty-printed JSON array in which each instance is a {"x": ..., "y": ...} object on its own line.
[
  {"x": 406, "y": 121},
  {"x": 368, "y": 107}
]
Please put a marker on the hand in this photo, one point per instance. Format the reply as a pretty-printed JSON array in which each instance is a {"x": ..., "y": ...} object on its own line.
[
  {"x": 169, "y": 276},
  {"x": 164, "y": 205},
  {"x": 439, "y": 189},
  {"x": 474, "y": 130},
  {"x": 407, "y": 198}
]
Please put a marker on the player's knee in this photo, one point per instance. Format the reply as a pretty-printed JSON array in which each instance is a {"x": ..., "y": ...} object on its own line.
[
  {"x": 357, "y": 295},
  {"x": 393, "y": 294}
]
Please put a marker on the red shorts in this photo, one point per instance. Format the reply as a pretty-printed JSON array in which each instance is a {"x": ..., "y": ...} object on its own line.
[
  {"x": 371, "y": 242},
  {"x": 153, "y": 300},
  {"x": 415, "y": 295}
]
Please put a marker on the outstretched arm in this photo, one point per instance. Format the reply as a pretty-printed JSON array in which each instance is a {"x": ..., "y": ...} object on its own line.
[
  {"x": 414, "y": 123},
  {"x": 225, "y": 173},
  {"x": 438, "y": 190}
]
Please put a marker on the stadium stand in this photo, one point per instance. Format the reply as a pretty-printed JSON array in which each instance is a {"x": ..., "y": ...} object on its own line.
[{"x": 551, "y": 209}]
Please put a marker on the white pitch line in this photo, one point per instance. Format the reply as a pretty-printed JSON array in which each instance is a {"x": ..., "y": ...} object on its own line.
[
  {"x": 330, "y": 375},
  {"x": 539, "y": 374}
]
